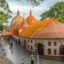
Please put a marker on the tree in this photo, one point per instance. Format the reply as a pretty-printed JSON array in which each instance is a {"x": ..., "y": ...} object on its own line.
[
  {"x": 34, "y": 2},
  {"x": 4, "y": 12},
  {"x": 1, "y": 27},
  {"x": 56, "y": 11}
]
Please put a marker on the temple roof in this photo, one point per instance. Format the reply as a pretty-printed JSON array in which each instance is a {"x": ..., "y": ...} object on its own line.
[
  {"x": 16, "y": 19},
  {"x": 21, "y": 25},
  {"x": 44, "y": 29},
  {"x": 31, "y": 19}
]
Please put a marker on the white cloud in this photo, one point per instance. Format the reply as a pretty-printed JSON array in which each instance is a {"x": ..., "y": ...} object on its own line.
[{"x": 25, "y": 8}]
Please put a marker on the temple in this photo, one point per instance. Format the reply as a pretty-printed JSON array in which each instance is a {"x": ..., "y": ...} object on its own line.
[
  {"x": 44, "y": 37},
  {"x": 16, "y": 19},
  {"x": 30, "y": 19}
]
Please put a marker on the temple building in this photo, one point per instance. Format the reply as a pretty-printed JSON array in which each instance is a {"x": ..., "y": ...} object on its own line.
[
  {"x": 16, "y": 19},
  {"x": 44, "y": 37},
  {"x": 7, "y": 32},
  {"x": 20, "y": 23},
  {"x": 20, "y": 26},
  {"x": 12, "y": 28},
  {"x": 31, "y": 19}
]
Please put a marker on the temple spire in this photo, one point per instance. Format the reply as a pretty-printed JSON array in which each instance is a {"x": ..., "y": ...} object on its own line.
[
  {"x": 30, "y": 13},
  {"x": 18, "y": 13}
]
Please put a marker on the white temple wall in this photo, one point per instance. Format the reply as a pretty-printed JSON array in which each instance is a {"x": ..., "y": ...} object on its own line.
[
  {"x": 45, "y": 43},
  {"x": 52, "y": 47}
]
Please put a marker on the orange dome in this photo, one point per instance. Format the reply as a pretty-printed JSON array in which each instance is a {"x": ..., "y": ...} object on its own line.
[
  {"x": 21, "y": 25},
  {"x": 30, "y": 19},
  {"x": 18, "y": 24},
  {"x": 16, "y": 19},
  {"x": 25, "y": 25}
]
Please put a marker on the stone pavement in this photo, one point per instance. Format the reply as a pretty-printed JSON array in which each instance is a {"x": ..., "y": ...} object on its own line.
[
  {"x": 19, "y": 55},
  {"x": 3, "y": 59}
]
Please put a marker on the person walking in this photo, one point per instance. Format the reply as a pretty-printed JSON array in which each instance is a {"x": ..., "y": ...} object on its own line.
[
  {"x": 37, "y": 58},
  {"x": 1, "y": 38},
  {"x": 32, "y": 58},
  {"x": 16, "y": 42},
  {"x": 11, "y": 44}
]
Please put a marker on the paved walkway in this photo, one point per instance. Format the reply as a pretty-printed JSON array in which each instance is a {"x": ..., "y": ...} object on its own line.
[{"x": 18, "y": 55}]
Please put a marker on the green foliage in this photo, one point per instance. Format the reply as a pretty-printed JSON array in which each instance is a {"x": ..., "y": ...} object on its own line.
[
  {"x": 4, "y": 12},
  {"x": 56, "y": 11},
  {"x": 3, "y": 16},
  {"x": 34, "y": 2},
  {"x": 1, "y": 27},
  {"x": 4, "y": 5}
]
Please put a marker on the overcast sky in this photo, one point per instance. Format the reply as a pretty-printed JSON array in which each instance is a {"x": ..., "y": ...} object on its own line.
[{"x": 25, "y": 7}]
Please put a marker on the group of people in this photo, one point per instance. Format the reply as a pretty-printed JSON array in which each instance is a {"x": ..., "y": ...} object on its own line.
[
  {"x": 10, "y": 43},
  {"x": 37, "y": 59},
  {"x": 1, "y": 38}
]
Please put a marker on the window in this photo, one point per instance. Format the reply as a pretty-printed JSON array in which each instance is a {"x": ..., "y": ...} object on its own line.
[
  {"x": 55, "y": 43},
  {"x": 54, "y": 52},
  {"x": 31, "y": 48},
  {"x": 28, "y": 40},
  {"x": 24, "y": 41},
  {"x": 27, "y": 46},
  {"x": 49, "y": 51},
  {"x": 31, "y": 41},
  {"x": 49, "y": 43},
  {"x": 62, "y": 50}
]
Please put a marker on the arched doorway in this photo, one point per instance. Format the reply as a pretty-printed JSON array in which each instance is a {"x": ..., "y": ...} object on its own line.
[
  {"x": 61, "y": 50},
  {"x": 40, "y": 49},
  {"x": 19, "y": 41}
]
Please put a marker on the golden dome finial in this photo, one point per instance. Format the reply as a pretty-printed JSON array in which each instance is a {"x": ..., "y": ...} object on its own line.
[
  {"x": 18, "y": 13},
  {"x": 30, "y": 13}
]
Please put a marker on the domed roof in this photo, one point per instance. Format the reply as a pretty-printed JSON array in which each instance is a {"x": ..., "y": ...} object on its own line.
[
  {"x": 21, "y": 25},
  {"x": 44, "y": 29},
  {"x": 16, "y": 19},
  {"x": 30, "y": 19}
]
